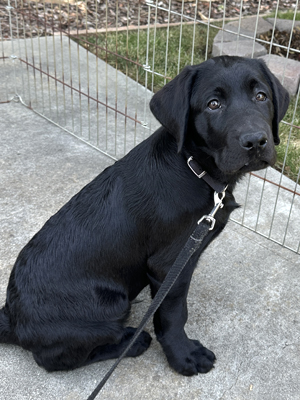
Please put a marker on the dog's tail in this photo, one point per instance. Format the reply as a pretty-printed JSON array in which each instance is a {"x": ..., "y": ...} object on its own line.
[{"x": 6, "y": 333}]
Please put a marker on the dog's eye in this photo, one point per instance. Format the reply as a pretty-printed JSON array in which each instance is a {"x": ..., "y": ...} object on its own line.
[
  {"x": 214, "y": 104},
  {"x": 260, "y": 96}
]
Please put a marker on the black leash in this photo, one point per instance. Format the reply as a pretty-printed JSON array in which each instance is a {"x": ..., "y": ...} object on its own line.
[{"x": 205, "y": 224}]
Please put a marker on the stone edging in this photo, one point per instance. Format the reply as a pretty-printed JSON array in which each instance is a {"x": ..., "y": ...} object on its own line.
[{"x": 238, "y": 39}]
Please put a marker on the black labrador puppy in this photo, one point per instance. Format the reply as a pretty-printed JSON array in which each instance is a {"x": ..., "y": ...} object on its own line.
[{"x": 70, "y": 290}]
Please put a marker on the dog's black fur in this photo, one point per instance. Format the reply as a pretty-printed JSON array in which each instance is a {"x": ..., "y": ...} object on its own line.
[{"x": 70, "y": 290}]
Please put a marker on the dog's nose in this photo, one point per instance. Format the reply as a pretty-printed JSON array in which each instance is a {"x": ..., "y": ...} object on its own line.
[{"x": 257, "y": 140}]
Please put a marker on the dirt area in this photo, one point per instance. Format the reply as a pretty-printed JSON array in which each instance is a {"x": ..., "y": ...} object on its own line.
[
  {"x": 31, "y": 18},
  {"x": 283, "y": 38}
]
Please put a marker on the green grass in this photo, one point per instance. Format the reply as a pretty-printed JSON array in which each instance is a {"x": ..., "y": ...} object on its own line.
[
  {"x": 127, "y": 51},
  {"x": 166, "y": 61},
  {"x": 290, "y": 136},
  {"x": 285, "y": 15}
]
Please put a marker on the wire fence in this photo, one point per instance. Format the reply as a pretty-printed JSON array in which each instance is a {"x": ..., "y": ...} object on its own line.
[{"x": 91, "y": 67}]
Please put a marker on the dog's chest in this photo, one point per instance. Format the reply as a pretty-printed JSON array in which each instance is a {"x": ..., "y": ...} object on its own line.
[{"x": 230, "y": 205}]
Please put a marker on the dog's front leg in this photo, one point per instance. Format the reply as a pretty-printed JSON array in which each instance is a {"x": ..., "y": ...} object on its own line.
[{"x": 186, "y": 356}]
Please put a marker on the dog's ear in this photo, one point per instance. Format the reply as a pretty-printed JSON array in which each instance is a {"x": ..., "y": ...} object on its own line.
[
  {"x": 171, "y": 105},
  {"x": 281, "y": 100}
]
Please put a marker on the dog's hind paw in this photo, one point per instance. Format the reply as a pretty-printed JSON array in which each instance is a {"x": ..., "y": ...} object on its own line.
[{"x": 140, "y": 345}]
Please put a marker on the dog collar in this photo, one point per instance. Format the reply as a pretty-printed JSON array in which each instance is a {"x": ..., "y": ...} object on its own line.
[{"x": 201, "y": 174}]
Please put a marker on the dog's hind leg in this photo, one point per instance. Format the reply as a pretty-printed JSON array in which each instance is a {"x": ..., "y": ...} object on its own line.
[
  {"x": 59, "y": 357},
  {"x": 82, "y": 339},
  {"x": 6, "y": 333},
  {"x": 109, "y": 351}
]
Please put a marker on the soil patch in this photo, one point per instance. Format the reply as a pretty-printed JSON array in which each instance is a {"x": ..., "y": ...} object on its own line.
[
  {"x": 283, "y": 38},
  {"x": 31, "y": 18}
]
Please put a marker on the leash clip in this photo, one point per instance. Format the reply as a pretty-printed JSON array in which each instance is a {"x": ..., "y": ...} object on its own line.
[{"x": 218, "y": 197}]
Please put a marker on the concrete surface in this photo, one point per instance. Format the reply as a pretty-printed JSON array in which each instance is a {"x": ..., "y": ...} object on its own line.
[
  {"x": 269, "y": 210},
  {"x": 231, "y": 42},
  {"x": 231, "y": 33},
  {"x": 243, "y": 301},
  {"x": 283, "y": 24},
  {"x": 260, "y": 25},
  {"x": 242, "y": 48},
  {"x": 84, "y": 86},
  {"x": 286, "y": 70}
]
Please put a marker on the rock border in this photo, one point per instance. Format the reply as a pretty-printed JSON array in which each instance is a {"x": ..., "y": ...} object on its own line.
[{"x": 237, "y": 38}]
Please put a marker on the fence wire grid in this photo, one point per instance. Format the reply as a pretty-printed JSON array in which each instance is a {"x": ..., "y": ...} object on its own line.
[{"x": 91, "y": 67}]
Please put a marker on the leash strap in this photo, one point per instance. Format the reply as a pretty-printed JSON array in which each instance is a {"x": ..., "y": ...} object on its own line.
[{"x": 204, "y": 225}]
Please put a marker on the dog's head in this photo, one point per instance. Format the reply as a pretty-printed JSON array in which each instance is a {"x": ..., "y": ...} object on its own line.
[{"x": 228, "y": 108}]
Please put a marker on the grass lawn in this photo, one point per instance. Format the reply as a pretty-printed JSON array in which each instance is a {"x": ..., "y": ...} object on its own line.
[
  {"x": 166, "y": 52},
  {"x": 291, "y": 137},
  {"x": 285, "y": 15}
]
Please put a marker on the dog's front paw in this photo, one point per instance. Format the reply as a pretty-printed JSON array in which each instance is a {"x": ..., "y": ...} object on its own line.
[{"x": 191, "y": 359}]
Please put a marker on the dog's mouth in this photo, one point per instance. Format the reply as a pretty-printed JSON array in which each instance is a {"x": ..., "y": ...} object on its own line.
[
  {"x": 254, "y": 166},
  {"x": 249, "y": 166}
]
